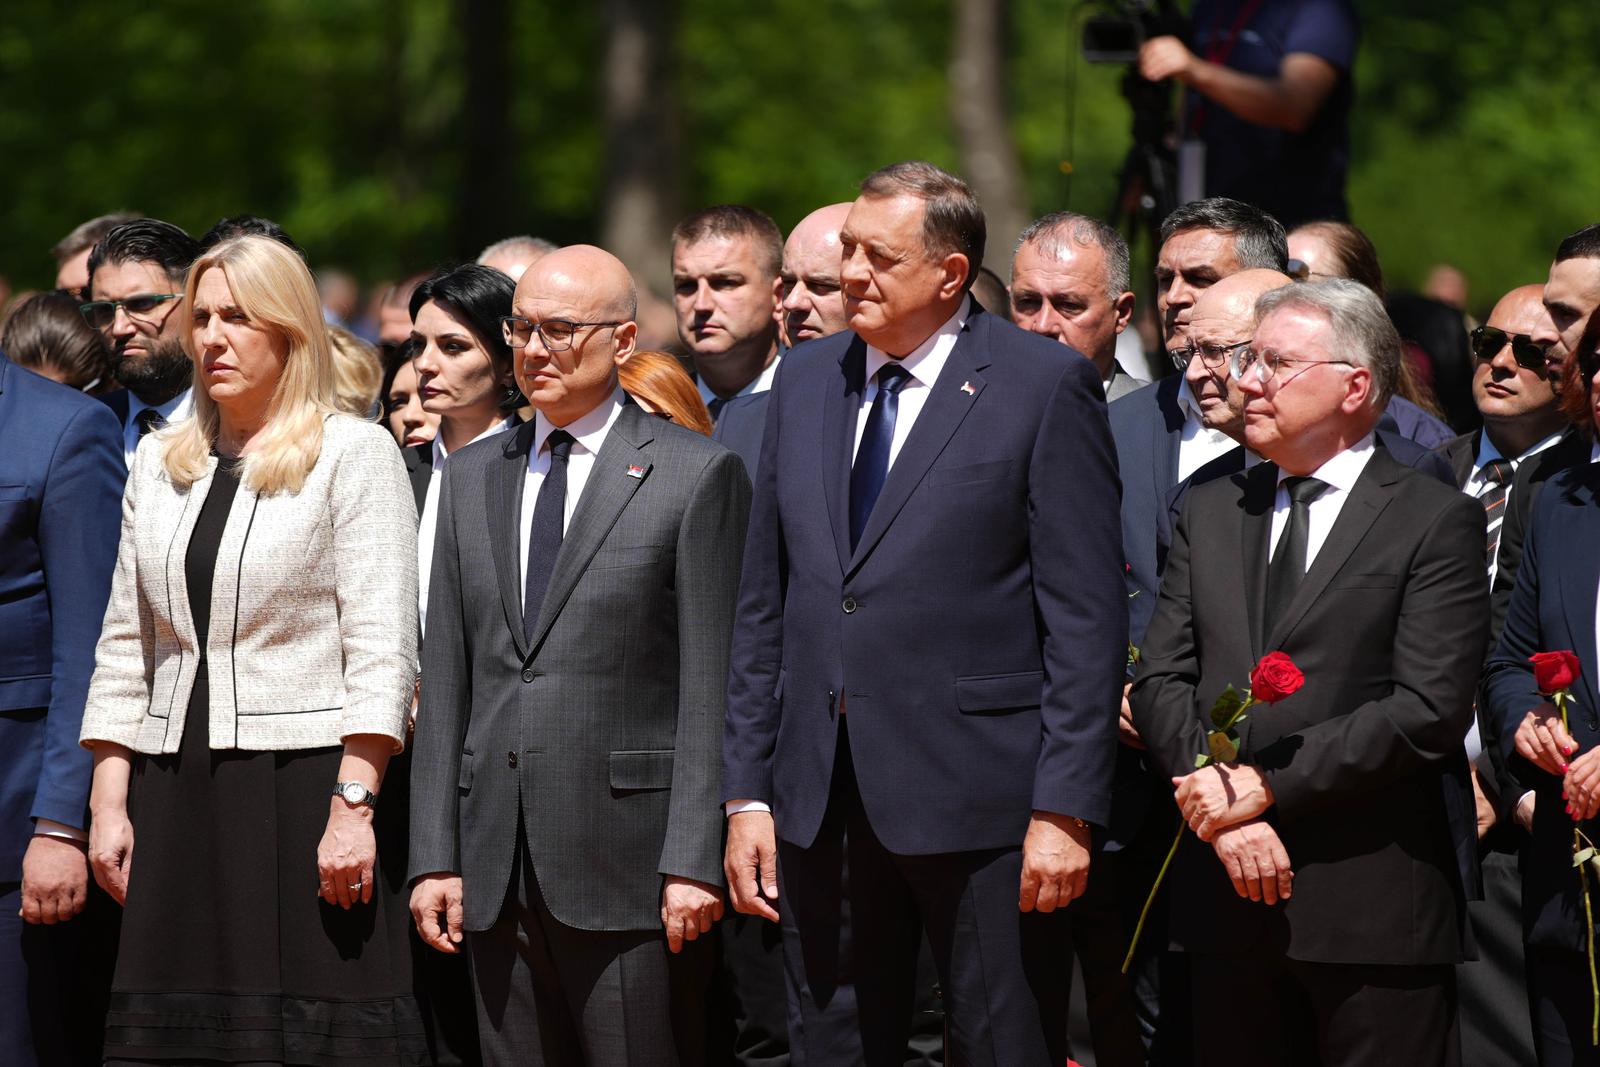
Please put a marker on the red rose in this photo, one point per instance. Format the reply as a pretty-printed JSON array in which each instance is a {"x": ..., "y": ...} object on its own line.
[
  {"x": 1554, "y": 671},
  {"x": 1274, "y": 678}
]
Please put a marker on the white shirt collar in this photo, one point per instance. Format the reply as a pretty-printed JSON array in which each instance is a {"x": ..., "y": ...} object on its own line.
[
  {"x": 588, "y": 430},
  {"x": 926, "y": 360},
  {"x": 1343, "y": 470},
  {"x": 440, "y": 453},
  {"x": 762, "y": 383}
]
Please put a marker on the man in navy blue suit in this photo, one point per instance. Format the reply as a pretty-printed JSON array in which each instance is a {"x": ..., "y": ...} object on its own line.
[
  {"x": 61, "y": 476},
  {"x": 925, "y": 670}
]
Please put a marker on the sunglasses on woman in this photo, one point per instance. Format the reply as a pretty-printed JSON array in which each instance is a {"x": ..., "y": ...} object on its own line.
[{"x": 1487, "y": 341}]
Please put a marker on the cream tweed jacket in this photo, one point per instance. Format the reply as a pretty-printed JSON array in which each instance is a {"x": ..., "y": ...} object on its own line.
[{"x": 313, "y": 633}]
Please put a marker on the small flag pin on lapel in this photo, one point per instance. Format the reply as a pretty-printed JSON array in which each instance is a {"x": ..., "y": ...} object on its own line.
[
  {"x": 635, "y": 471},
  {"x": 966, "y": 387}
]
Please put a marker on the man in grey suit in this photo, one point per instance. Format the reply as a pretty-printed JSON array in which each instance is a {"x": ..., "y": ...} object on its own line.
[
  {"x": 564, "y": 814},
  {"x": 1069, "y": 282}
]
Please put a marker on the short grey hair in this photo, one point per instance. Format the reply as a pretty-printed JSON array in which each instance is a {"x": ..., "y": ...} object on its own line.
[
  {"x": 88, "y": 234},
  {"x": 952, "y": 221},
  {"x": 1051, "y": 233},
  {"x": 1259, "y": 241},
  {"x": 1362, "y": 331},
  {"x": 520, "y": 244}
]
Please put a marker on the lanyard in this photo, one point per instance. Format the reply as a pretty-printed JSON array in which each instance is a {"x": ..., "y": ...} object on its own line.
[{"x": 1218, "y": 50}]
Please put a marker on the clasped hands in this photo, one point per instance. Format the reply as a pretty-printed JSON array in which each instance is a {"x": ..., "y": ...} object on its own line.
[
  {"x": 1545, "y": 743},
  {"x": 1222, "y": 804}
]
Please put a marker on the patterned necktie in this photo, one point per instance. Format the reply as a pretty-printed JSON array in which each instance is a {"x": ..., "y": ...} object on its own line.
[
  {"x": 149, "y": 419},
  {"x": 546, "y": 531},
  {"x": 1496, "y": 475},
  {"x": 872, "y": 456},
  {"x": 1288, "y": 564},
  {"x": 715, "y": 407}
]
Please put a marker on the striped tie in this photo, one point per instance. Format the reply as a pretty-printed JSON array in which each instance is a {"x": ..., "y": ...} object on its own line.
[{"x": 1496, "y": 475}]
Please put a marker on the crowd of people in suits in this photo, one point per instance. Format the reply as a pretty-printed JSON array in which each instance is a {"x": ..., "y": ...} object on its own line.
[{"x": 826, "y": 692}]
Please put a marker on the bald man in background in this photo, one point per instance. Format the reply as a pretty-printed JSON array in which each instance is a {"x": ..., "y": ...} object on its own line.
[{"x": 565, "y": 816}]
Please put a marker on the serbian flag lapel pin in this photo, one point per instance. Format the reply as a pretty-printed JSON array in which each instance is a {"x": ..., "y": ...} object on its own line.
[{"x": 635, "y": 471}]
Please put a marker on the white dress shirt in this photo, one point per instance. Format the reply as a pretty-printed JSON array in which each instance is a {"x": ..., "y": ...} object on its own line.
[
  {"x": 1199, "y": 444},
  {"x": 430, "y": 514},
  {"x": 1340, "y": 473},
  {"x": 924, "y": 363},
  {"x": 588, "y": 433},
  {"x": 179, "y": 407},
  {"x": 761, "y": 384}
]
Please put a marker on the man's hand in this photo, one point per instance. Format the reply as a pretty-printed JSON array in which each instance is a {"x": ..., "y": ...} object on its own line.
[
  {"x": 111, "y": 851},
  {"x": 436, "y": 909},
  {"x": 1055, "y": 862},
  {"x": 688, "y": 908},
  {"x": 1221, "y": 795},
  {"x": 1543, "y": 741},
  {"x": 1581, "y": 786},
  {"x": 1165, "y": 57},
  {"x": 1486, "y": 815},
  {"x": 750, "y": 863},
  {"x": 1255, "y": 860},
  {"x": 1125, "y": 729},
  {"x": 55, "y": 879}
]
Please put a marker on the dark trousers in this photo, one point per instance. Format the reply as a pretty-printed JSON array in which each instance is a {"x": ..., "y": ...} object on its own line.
[
  {"x": 55, "y": 982},
  {"x": 850, "y": 947},
  {"x": 1562, "y": 1006},
  {"x": 1275, "y": 1012},
  {"x": 1493, "y": 989},
  {"x": 551, "y": 995}
]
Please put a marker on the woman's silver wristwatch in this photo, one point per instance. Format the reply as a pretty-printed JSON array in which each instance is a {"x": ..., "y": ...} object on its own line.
[{"x": 355, "y": 793}]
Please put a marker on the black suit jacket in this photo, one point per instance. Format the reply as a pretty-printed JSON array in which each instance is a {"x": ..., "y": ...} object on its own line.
[
  {"x": 1366, "y": 761},
  {"x": 419, "y": 468}
]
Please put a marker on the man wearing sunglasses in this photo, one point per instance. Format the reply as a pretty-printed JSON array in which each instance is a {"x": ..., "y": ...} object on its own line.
[{"x": 135, "y": 292}]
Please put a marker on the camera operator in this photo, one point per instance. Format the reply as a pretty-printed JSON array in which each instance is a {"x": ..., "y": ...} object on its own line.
[{"x": 1269, "y": 101}]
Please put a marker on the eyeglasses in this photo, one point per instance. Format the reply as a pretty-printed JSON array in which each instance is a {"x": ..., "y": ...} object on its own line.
[
  {"x": 102, "y": 313},
  {"x": 1213, "y": 357},
  {"x": 1266, "y": 364},
  {"x": 556, "y": 335},
  {"x": 1487, "y": 342}
]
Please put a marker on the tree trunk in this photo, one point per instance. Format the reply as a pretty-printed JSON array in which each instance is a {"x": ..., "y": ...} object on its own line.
[
  {"x": 641, "y": 190},
  {"x": 484, "y": 200},
  {"x": 982, "y": 126}
]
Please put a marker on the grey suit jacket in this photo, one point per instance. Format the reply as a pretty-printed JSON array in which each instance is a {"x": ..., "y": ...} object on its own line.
[
  {"x": 1121, "y": 383},
  {"x": 604, "y": 735}
]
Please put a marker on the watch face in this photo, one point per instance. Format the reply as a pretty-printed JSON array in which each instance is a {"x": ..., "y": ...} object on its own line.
[{"x": 355, "y": 792}]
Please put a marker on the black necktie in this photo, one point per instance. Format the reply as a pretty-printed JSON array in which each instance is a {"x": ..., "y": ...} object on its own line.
[
  {"x": 544, "y": 534},
  {"x": 872, "y": 456},
  {"x": 1497, "y": 475},
  {"x": 1288, "y": 564},
  {"x": 149, "y": 419},
  {"x": 715, "y": 407}
]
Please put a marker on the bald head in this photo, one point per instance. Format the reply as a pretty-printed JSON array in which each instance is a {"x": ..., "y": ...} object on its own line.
[
  {"x": 1519, "y": 404},
  {"x": 583, "y": 301},
  {"x": 813, "y": 303},
  {"x": 589, "y": 278},
  {"x": 1523, "y": 308},
  {"x": 1230, "y": 304},
  {"x": 1222, "y": 318}
]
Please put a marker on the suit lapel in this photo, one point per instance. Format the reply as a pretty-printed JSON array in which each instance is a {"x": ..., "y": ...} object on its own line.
[
  {"x": 609, "y": 488},
  {"x": 505, "y": 483},
  {"x": 1373, "y": 491},
  {"x": 952, "y": 396},
  {"x": 1580, "y": 566},
  {"x": 1260, "y": 487},
  {"x": 840, "y": 407}
]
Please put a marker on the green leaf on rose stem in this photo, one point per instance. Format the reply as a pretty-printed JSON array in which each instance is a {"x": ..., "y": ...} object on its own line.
[
  {"x": 1594, "y": 865},
  {"x": 1227, "y": 705},
  {"x": 1581, "y": 857},
  {"x": 1224, "y": 749},
  {"x": 1202, "y": 761}
]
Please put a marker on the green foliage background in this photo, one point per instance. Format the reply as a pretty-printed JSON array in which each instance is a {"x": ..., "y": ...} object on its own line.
[{"x": 1477, "y": 129}]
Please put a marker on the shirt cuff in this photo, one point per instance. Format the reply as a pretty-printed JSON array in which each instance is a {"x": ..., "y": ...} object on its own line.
[
  {"x": 51, "y": 828},
  {"x": 734, "y": 807}
]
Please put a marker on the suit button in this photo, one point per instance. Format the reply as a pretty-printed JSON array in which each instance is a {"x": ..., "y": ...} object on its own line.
[
  {"x": 849, "y": 605},
  {"x": 511, "y": 759},
  {"x": 528, "y": 675}
]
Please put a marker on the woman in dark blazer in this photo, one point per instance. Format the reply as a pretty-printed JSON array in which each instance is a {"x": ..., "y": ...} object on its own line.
[{"x": 1553, "y": 609}]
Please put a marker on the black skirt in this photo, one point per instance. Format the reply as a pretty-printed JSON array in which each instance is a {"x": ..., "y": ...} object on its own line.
[{"x": 227, "y": 953}]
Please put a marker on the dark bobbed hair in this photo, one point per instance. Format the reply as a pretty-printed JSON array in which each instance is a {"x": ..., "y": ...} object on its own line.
[
  {"x": 1259, "y": 242},
  {"x": 1582, "y": 244},
  {"x": 46, "y": 331},
  {"x": 952, "y": 221},
  {"x": 146, "y": 241},
  {"x": 735, "y": 220},
  {"x": 480, "y": 297},
  {"x": 239, "y": 225},
  {"x": 1358, "y": 256}
]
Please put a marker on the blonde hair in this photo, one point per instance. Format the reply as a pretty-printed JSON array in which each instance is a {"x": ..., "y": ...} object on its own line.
[
  {"x": 272, "y": 286},
  {"x": 357, "y": 374}
]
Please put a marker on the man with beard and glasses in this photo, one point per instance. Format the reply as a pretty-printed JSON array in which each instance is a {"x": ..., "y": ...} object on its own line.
[{"x": 135, "y": 291}]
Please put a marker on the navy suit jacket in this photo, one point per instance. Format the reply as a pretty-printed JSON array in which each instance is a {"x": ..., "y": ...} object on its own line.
[
  {"x": 61, "y": 478},
  {"x": 744, "y": 418},
  {"x": 976, "y": 636}
]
